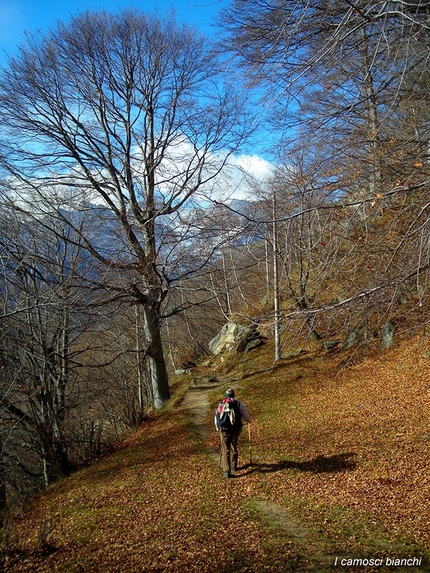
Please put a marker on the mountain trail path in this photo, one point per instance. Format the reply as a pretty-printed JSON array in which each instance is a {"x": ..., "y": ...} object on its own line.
[{"x": 196, "y": 404}]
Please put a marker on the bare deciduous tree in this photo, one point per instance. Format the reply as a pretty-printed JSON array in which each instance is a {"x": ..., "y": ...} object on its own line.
[
  {"x": 350, "y": 73},
  {"x": 129, "y": 110},
  {"x": 346, "y": 83}
]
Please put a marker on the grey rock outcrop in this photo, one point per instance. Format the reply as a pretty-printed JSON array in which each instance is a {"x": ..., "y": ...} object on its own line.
[
  {"x": 352, "y": 338},
  {"x": 233, "y": 335},
  {"x": 387, "y": 334}
]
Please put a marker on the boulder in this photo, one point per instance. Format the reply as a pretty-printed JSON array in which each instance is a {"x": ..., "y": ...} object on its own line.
[
  {"x": 330, "y": 344},
  {"x": 387, "y": 334},
  {"x": 292, "y": 353},
  {"x": 234, "y": 335},
  {"x": 352, "y": 338},
  {"x": 253, "y": 342}
]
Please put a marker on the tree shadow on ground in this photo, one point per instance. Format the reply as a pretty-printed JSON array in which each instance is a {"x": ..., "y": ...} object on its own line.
[{"x": 321, "y": 464}]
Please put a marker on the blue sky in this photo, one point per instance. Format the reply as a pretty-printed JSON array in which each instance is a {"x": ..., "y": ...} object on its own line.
[{"x": 17, "y": 16}]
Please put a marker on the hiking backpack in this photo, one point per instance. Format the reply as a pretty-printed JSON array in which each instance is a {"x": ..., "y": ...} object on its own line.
[{"x": 229, "y": 418}]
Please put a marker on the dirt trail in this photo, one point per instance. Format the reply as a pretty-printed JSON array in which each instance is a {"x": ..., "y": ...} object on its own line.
[{"x": 196, "y": 405}]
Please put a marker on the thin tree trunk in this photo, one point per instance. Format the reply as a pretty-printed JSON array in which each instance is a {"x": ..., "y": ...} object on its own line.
[
  {"x": 226, "y": 285},
  {"x": 276, "y": 282},
  {"x": 372, "y": 119},
  {"x": 2, "y": 483}
]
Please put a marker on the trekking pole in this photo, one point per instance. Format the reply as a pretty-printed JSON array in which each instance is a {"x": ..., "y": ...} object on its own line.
[{"x": 250, "y": 448}]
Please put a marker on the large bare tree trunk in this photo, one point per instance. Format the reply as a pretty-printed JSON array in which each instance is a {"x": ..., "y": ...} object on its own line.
[{"x": 155, "y": 358}]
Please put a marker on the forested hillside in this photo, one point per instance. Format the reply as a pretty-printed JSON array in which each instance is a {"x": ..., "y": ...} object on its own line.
[
  {"x": 131, "y": 231},
  {"x": 336, "y": 473}
]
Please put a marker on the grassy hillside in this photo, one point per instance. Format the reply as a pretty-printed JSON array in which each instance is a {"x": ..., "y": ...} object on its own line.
[{"x": 340, "y": 472}]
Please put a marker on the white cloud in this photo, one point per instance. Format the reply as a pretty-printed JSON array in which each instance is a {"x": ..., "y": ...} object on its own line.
[
  {"x": 256, "y": 166},
  {"x": 236, "y": 180},
  {"x": 243, "y": 174},
  {"x": 240, "y": 177}
]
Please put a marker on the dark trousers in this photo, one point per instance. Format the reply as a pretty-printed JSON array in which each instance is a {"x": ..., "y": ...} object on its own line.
[{"x": 229, "y": 452}]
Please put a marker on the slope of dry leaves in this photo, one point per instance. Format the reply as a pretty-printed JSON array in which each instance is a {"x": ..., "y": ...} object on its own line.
[
  {"x": 157, "y": 504},
  {"x": 350, "y": 451},
  {"x": 340, "y": 467}
]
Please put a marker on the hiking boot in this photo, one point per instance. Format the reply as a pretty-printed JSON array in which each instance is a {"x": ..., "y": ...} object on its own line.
[{"x": 227, "y": 474}]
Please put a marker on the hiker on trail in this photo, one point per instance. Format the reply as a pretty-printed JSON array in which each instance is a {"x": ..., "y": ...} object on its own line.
[{"x": 229, "y": 416}]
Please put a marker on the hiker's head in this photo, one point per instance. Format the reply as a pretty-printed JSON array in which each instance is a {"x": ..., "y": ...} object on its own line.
[{"x": 230, "y": 393}]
